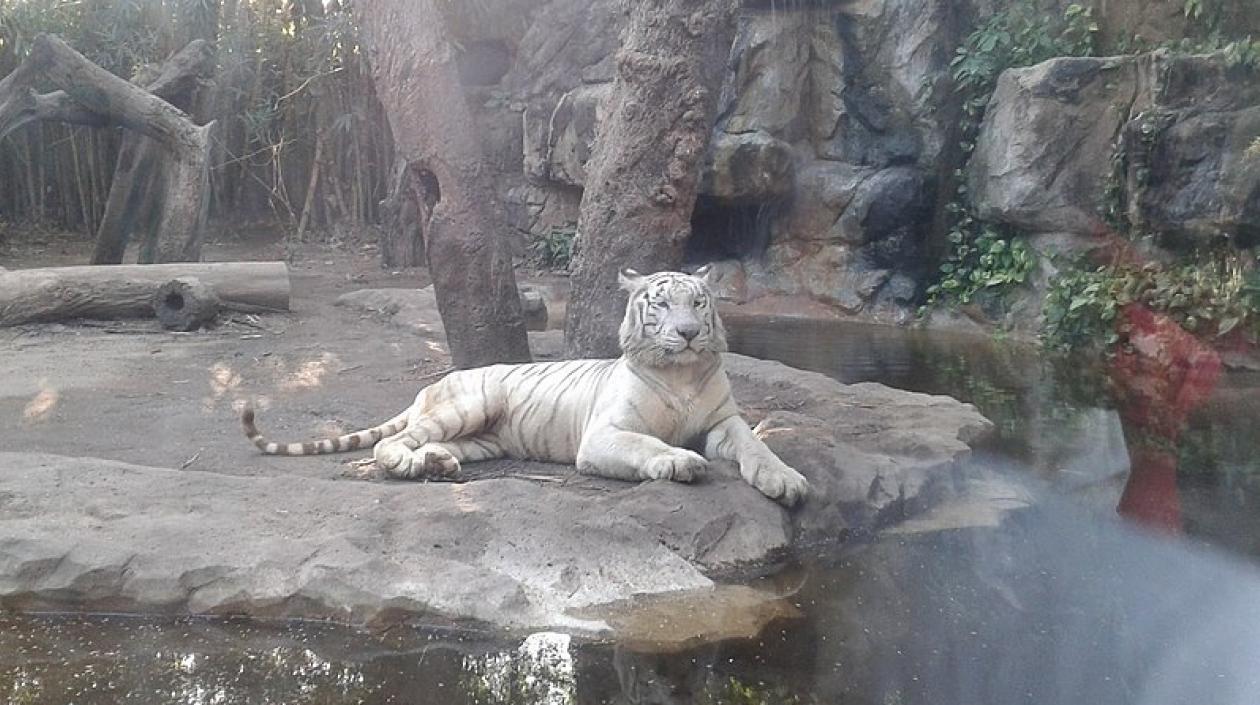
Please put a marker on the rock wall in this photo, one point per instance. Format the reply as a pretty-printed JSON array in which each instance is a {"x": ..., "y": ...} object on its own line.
[
  {"x": 1160, "y": 139},
  {"x": 836, "y": 140},
  {"x": 821, "y": 176}
]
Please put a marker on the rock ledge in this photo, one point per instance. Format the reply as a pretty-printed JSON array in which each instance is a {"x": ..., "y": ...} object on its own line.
[{"x": 518, "y": 546}]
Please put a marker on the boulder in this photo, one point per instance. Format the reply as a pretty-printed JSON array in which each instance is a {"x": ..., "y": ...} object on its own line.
[
  {"x": 416, "y": 310},
  {"x": 413, "y": 309},
  {"x": 823, "y": 191},
  {"x": 1048, "y": 149},
  {"x": 533, "y": 307},
  {"x": 750, "y": 167},
  {"x": 1042, "y": 157},
  {"x": 155, "y": 540},
  {"x": 558, "y": 143},
  {"x": 893, "y": 204},
  {"x": 1192, "y": 174},
  {"x": 769, "y": 65},
  {"x": 873, "y": 455},
  {"x": 516, "y": 545}
]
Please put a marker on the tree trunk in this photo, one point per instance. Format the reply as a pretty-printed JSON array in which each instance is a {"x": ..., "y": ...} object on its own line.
[
  {"x": 644, "y": 170},
  {"x": 133, "y": 205},
  {"x": 91, "y": 90},
  {"x": 126, "y": 291},
  {"x": 413, "y": 67}
]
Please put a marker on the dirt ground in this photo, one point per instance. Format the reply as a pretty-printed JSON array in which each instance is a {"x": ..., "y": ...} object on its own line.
[{"x": 127, "y": 390}]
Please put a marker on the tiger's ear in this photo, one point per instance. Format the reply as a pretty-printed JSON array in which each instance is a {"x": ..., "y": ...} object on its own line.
[
  {"x": 705, "y": 274},
  {"x": 629, "y": 279}
]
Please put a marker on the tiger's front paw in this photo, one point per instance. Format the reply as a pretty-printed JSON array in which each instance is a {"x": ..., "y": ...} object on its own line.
[
  {"x": 677, "y": 464},
  {"x": 775, "y": 479}
]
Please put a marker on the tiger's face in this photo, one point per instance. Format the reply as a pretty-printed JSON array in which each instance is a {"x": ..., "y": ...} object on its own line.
[{"x": 671, "y": 318}]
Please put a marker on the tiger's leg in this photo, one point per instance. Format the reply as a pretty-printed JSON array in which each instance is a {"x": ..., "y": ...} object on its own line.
[
  {"x": 758, "y": 465},
  {"x": 458, "y": 416},
  {"x": 625, "y": 455},
  {"x": 442, "y": 459}
]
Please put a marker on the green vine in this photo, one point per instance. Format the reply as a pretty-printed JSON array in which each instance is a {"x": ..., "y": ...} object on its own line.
[
  {"x": 1210, "y": 31},
  {"x": 983, "y": 256},
  {"x": 554, "y": 249},
  {"x": 1212, "y": 296}
]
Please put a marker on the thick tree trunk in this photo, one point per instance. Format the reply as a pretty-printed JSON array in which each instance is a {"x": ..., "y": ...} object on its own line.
[
  {"x": 644, "y": 170},
  {"x": 413, "y": 67},
  {"x": 131, "y": 207},
  {"x": 127, "y": 291},
  {"x": 91, "y": 95},
  {"x": 134, "y": 204}
]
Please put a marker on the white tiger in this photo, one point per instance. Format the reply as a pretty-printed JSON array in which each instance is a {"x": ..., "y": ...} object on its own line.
[{"x": 625, "y": 418}]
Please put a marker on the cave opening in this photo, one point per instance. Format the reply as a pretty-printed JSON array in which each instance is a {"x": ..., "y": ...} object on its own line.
[{"x": 724, "y": 231}]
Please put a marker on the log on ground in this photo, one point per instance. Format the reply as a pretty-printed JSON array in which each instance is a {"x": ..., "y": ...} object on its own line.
[
  {"x": 127, "y": 291},
  {"x": 185, "y": 304}
]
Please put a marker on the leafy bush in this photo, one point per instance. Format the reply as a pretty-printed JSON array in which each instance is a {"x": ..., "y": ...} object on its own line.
[
  {"x": 1020, "y": 35},
  {"x": 1080, "y": 310},
  {"x": 554, "y": 250},
  {"x": 987, "y": 259},
  {"x": 1211, "y": 296},
  {"x": 982, "y": 256}
]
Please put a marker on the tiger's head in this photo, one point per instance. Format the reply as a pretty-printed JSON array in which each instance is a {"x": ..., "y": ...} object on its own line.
[{"x": 671, "y": 318}]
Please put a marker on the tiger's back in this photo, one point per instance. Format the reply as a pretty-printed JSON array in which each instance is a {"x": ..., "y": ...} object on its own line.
[{"x": 535, "y": 411}]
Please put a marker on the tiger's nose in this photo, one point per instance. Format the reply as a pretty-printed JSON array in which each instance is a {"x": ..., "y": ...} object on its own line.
[{"x": 689, "y": 330}]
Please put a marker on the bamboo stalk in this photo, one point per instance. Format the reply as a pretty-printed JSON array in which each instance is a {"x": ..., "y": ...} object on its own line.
[
  {"x": 310, "y": 188},
  {"x": 78, "y": 179}
]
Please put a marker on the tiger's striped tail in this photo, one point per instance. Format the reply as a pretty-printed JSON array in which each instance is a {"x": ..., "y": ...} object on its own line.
[{"x": 350, "y": 441}]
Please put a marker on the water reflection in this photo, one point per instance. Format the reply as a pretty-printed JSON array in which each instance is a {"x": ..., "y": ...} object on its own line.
[
  {"x": 540, "y": 671},
  {"x": 1160, "y": 431},
  {"x": 1051, "y": 605},
  {"x": 1011, "y": 593}
]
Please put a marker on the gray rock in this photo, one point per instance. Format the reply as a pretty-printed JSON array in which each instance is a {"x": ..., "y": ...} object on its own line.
[
  {"x": 902, "y": 288},
  {"x": 147, "y": 539},
  {"x": 533, "y": 307},
  {"x": 895, "y": 202},
  {"x": 519, "y": 545},
  {"x": 1042, "y": 156},
  {"x": 413, "y": 309},
  {"x": 416, "y": 310},
  {"x": 561, "y": 144},
  {"x": 564, "y": 38},
  {"x": 765, "y": 88},
  {"x": 873, "y": 455},
  {"x": 823, "y": 191},
  {"x": 888, "y": 64},
  {"x": 728, "y": 280},
  {"x": 1191, "y": 176},
  {"x": 750, "y": 167}
]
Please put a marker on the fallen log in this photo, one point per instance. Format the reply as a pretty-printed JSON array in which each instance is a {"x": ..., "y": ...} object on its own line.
[
  {"x": 186, "y": 304},
  {"x": 127, "y": 290}
]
